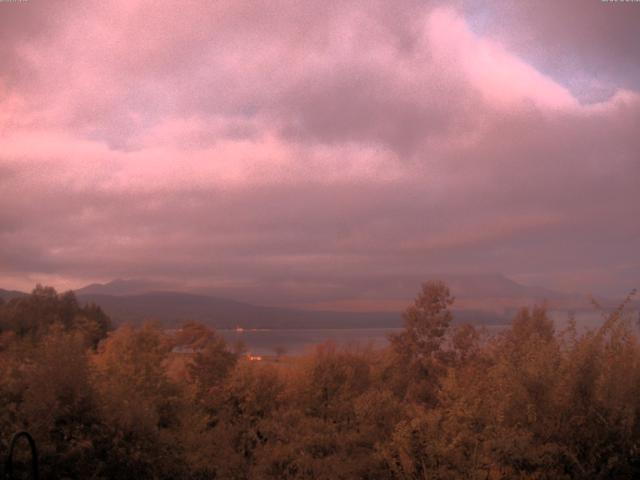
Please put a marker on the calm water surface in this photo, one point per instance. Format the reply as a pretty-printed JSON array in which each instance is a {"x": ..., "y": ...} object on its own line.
[
  {"x": 298, "y": 341},
  {"x": 295, "y": 342}
]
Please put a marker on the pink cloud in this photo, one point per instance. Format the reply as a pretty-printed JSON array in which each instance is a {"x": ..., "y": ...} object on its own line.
[
  {"x": 235, "y": 141},
  {"x": 503, "y": 80}
]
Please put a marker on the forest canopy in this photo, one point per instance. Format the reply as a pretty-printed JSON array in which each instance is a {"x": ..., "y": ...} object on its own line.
[{"x": 441, "y": 401}]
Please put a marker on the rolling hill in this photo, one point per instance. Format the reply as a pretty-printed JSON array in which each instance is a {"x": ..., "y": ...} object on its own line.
[
  {"x": 9, "y": 294},
  {"x": 171, "y": 308},
  {"x": 480, "y": 299}
]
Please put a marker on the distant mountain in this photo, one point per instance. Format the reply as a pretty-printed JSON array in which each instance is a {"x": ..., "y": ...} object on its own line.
[
  {"x": 9, "y": 294},
  {"x": 480, "y": 299},
  {"x": 124, "y": 287},
  {"x": 482, "y": 285},
  {"x": 493, "y": 285},
  {"x": 498, "y": 293},
  {"x": 172, "y": 308}
]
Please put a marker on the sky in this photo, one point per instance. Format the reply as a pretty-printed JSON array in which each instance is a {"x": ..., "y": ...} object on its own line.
[{"x": 310, "y": 152}]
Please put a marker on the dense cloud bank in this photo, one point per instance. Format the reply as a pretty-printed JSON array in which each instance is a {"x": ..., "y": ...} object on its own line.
[{"x": 318, "y": 151}]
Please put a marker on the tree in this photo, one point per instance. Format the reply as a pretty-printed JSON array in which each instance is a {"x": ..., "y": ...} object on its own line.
[
  {"x": 280, "y": 351},
  {"x": 33, "y": 315},
  {"x": 419, "y": 348},
  {"x": 138, "y": 405},
  {"x": 211, "y": 360},
  {"x": 57, "y": 405}
]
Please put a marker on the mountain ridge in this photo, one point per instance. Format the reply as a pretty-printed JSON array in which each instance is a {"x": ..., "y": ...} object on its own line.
[{"x": 480, "y": 299}]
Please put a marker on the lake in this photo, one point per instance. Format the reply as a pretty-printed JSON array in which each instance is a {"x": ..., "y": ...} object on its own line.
[{"x": 298, "y": 341}]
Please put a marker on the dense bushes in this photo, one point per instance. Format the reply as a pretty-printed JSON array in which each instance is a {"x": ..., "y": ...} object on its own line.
[{"x": 440, "y": 402}]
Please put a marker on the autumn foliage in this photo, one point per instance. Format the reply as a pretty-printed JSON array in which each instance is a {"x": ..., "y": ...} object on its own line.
[{"x": 441, "y": 402}]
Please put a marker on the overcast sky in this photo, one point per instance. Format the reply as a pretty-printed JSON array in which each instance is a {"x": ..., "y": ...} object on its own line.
[{"x": 319, "y": 151}]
